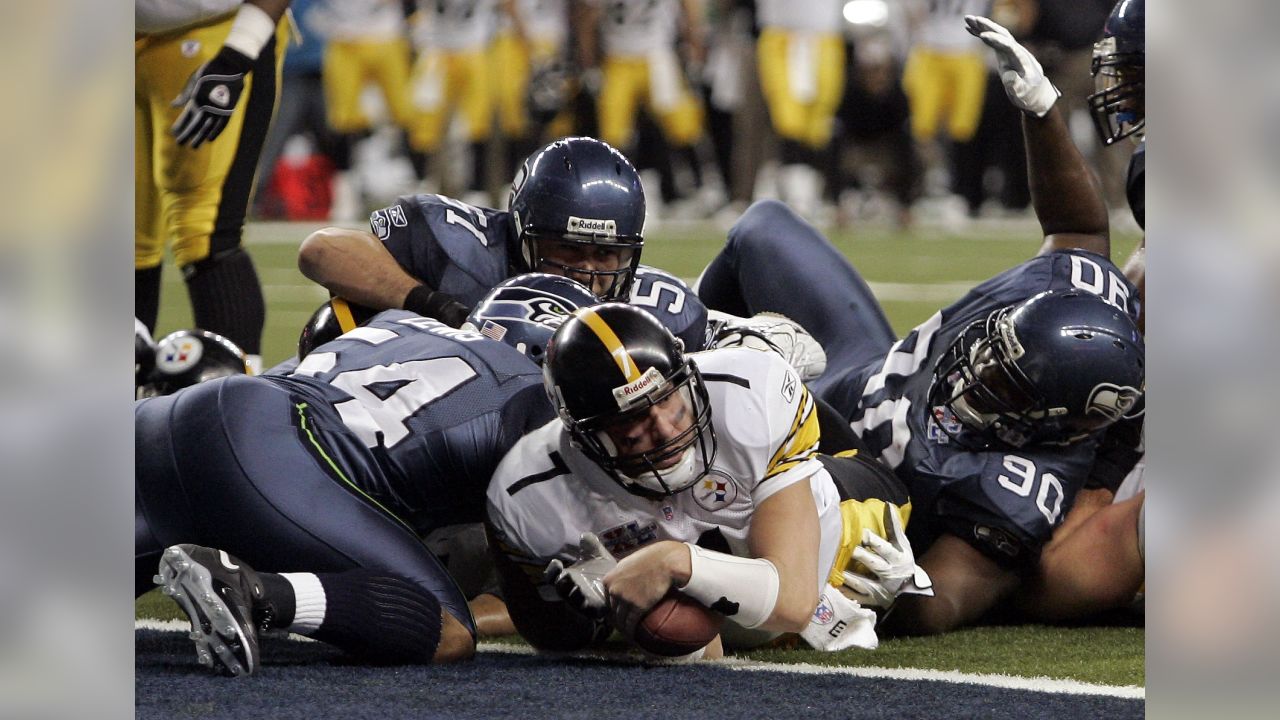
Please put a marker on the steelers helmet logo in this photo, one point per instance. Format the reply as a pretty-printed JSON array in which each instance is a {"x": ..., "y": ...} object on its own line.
[
  {"x": 715, "y": 491},
  {"x": 179, "y": 355}
]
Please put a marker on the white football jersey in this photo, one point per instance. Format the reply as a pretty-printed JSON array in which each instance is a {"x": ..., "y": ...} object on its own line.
[
  {"x": 455, "y": 25},
  {"x": 546, "y": 493},
  {"x": 819, "y": 16},
  {"x": 545, "y": 21},
  {"x": 151, "y": 17},
  {"x": 358, "y": 19},
  {"x": 638, "y": 27},
  {"x": 943, "y": 27}
]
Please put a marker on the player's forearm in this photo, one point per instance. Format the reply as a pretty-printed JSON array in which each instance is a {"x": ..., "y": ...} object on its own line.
[
  {"x": 1064, "y": 192},
  {"x": 354, "y": 265}
]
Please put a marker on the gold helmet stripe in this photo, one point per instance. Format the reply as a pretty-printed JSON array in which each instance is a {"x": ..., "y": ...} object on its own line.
[{"x": 611, "y": 342}]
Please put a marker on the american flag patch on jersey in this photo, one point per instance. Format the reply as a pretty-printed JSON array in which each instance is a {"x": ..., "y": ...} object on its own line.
[{"x": 493, "y": 330}]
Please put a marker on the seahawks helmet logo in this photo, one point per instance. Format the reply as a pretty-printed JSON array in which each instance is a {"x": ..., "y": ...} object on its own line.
[
  {"x": 529, "y": 305},
  {"x": 1112, "y": 401}
]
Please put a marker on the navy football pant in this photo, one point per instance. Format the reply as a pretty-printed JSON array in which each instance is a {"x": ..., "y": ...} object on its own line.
[
  {"x": 775, "y": 261},
  {"x": 227, "y": 464}
]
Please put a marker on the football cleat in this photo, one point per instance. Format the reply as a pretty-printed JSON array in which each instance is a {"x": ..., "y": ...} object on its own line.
[{"x": 218, "y": 594}]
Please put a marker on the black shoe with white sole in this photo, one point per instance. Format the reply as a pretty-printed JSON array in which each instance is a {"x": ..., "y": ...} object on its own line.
[{"x": 218, "y": 593}]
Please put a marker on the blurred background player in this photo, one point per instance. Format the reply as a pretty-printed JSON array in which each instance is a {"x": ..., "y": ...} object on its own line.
[
  {"x": 452, "y": 74},
  {"x": 802, "y": 61},
  {"x": 366, "y": 43},
  {"x": 945, "y": 79},
  {"x": 530, "y": 42},
  {"x": 636, "y": 47},
  {"x": 206, "y": 78},
  {"x": 1118, "y": 103}
]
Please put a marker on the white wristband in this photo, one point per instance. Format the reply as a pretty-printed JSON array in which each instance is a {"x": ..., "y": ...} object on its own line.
[
  {"x": 743, "y": 589},
  {"x": 252, "y": 28}
]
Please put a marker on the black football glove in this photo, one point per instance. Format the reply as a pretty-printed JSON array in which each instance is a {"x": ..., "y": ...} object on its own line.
[{"x": 210, "y": 97}]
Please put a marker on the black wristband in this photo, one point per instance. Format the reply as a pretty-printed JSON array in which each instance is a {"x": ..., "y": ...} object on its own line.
[{"x": 435, "y": 304}]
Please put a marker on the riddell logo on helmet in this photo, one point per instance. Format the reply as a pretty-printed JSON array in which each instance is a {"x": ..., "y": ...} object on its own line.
[
  {"x": 592, "y": 226},
  {"x": 628, "y": 394}
]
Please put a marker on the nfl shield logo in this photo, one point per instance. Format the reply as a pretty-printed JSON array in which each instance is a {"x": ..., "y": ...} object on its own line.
[{"x": 823, "y": 615}]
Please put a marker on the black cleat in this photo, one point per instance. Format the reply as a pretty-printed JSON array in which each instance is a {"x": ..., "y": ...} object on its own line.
[{"x": 218, "y": 593}]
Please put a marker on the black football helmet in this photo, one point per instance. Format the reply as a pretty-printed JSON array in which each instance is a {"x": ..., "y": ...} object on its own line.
[
  {"x": 524, "y": 311},
  {"x": 335, "y": 317},
  {"x": 1052, "y": 369},
  {"x": 187, "y": 357},
  {"x": 582, "y": 194},
  {"x": 608, "y": 365},
  {"x": 1118, "y": 105}
]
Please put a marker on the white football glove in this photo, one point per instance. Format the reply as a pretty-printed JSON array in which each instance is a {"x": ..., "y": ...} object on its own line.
[
  {"x": 771, "y": 332},
  {"x": 839, "y": 623},
  {"x": 892, "y": 564},
  {"x": 581, "y": 584},
  {"x": 1024, "y": 80}
]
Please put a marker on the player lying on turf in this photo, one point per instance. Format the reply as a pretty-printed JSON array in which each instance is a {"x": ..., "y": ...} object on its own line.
[
  {"x": 325, "y": 481},
  {"x": 701, "y": 472},
  {"x": 995, "y": 411},
  {"x": 576, "y": 208}
]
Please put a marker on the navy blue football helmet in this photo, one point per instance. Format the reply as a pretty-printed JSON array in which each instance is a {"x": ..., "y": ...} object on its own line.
[
  {"x": 611, "y": 364},
  {"x": 1118, "y": 105},
  {"x": 578, "y": 208},
  {"x": 524, "y": 311},
  {"x": 187, "y": 357},
  {"x": 1052, "y": 369}
]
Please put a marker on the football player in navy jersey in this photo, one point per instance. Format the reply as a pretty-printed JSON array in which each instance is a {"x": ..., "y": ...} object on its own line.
[
  {"x": 991, "y": 411},
  {"x": 326, "y": 480},
  {"x": 576, "y": 208}
]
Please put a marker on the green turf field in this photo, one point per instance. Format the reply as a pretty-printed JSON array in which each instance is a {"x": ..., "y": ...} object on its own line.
[{"x": 913, "y": 275}]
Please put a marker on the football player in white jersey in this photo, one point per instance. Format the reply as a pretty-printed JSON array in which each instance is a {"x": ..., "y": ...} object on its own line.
[{"x": 702, "y": 473}]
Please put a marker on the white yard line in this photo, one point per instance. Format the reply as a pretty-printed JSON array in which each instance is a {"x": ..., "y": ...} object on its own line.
[{"x": 1008, "y": 682}]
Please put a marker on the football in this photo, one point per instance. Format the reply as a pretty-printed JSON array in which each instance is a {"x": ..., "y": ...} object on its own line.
[{"x": 677, "y": 625}]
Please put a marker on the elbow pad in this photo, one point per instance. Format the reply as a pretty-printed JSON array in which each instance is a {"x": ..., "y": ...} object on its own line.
[{"x": 743, "y": 589}]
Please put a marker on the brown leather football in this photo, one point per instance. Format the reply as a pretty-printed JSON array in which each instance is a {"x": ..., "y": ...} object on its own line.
[{"x": 677, "y": 625}]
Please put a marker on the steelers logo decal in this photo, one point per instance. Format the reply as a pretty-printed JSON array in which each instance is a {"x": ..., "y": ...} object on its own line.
[
  {"x": 180, "y": 355},
  {"x": 715, "y": 491}
]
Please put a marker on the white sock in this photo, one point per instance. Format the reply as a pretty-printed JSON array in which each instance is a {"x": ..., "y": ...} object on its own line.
[{"x": 308, "y": 602}]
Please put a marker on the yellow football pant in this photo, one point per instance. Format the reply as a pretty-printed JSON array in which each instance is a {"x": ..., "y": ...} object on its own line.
[
  {"x": 950, "y": 85},
  {"x": 625, "y": 85},
  {"x": 185, "y": 196},
  {"x": 444, "y": 81},
  {"x": 349, "y": 64},
  {"x": 801, "y": 117}
]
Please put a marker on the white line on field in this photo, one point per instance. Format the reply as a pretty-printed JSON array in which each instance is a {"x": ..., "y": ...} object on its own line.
[{"x": 1008, "y": 682}]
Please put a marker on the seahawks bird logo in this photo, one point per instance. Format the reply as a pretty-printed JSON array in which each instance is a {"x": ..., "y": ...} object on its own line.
[
  {"x": 1112, "y": 401},
  {"x": 529, "y": 305}
]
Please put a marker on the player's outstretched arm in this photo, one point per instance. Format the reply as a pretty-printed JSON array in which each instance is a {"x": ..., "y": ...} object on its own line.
[
  {"x": 966, "y": 584},
  {"x": 775, "y": 589},
  {"x": 1066, "y": 196},
  {"x": 355, "y": 265}
]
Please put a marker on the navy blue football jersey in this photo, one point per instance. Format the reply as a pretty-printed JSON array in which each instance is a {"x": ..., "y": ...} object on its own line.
[
  {"x": 1004, "y": 501},
  {"x": 415, "y": 415},
  {"x": 465, "y": 251}
]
